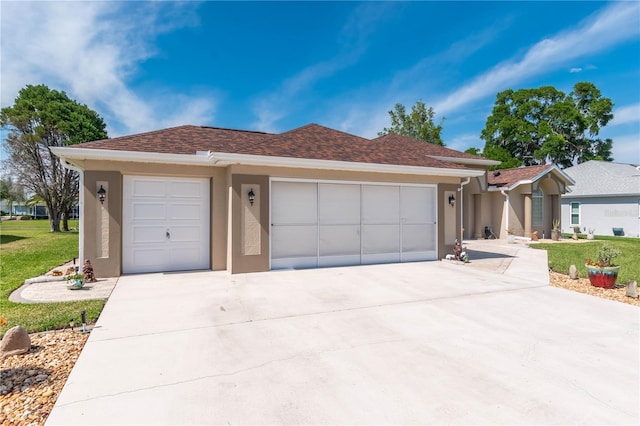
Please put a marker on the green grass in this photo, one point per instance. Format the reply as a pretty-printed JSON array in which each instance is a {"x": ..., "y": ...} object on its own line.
[
  {"x": 28, "y": 249},
  {"x": 562, "y": 256}
]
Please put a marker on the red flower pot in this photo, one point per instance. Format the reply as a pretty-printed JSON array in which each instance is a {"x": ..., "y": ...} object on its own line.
[{"x": 604, "y": 277}]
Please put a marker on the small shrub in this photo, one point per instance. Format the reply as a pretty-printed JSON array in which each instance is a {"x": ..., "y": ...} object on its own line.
[{"x": 605, "y": 256}]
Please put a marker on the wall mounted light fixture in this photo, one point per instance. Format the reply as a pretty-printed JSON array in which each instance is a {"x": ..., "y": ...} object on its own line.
[
  {"x": 102, "y": 193},
  {"x": 252, "y": 196},
  {"x": 452, "y": 200}
]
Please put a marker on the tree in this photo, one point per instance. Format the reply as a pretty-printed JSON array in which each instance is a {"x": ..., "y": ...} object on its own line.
[
  {"x": 536, "y": 125},
  {"x": 418, "y": 124},
  {"x": 39, "y": 119},
  {"x": 12, "y": 192}
]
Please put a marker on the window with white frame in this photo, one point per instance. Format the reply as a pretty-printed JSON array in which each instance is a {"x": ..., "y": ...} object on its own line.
[
  {"x": 575, "y": 213},
  {"x": 537, "y": 204}
]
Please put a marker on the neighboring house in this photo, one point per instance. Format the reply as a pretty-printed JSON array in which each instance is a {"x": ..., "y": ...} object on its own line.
[
  {"x": 520, "y": 201},
  {"x": 194, "y": 197},
  {"x": 606, "y": 196},
  {"x": 39, "y": 211}
]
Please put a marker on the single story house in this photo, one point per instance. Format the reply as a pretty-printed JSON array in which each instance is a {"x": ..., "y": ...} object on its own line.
[
  {"x": 519, "y": 201},
  {"x": 605, "y": 198},
  {"x": 196, "y": 197}
]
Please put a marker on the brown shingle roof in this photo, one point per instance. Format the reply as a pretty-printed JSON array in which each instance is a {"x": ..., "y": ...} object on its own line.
[
  {"x": 509, "y": 177},
  {"x": 311, "y": 142}
]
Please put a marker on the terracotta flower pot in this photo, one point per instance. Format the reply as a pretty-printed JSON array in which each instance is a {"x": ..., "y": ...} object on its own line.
[
  {"x": 604, "y": 277},
  {"x": 555, "y": 235}
]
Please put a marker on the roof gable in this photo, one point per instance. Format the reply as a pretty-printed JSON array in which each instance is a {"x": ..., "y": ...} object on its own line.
[{"x": 511, "y": 178}]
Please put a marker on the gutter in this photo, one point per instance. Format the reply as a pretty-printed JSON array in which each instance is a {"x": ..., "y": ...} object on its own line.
[
  {"x": 224, "y": 159},
  {"x": 462, "y": 184},
  {"x": 506, "y": 207},
  {"x": 80, "y": 171}
]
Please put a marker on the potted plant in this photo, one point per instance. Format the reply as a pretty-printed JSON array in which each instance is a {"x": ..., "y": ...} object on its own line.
[
  {"x": 511, "y": 238},
  {"x": 576, "y": 231},
  {"x": 602, "y": 272},
  {"x": 590, "y": 235},
  {"x": 75, "y": 281},
  {"x": 555, "y": 231}
]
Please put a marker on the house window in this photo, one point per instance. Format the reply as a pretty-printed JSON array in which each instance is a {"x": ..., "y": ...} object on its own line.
[
  {"x": 537, "y": 199},
  {"x": 575, "y": 213}
]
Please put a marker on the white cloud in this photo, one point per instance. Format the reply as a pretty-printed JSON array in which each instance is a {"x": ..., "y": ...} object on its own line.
[
  {"x": 91, "y": 50},
  {"x": 575, "y": 70},
  {"x": 626, "y": 114},
  {"x": 465, "y": 141},
  {"x": 615, "y": 23},
  {"x": 626, "y": 149}
]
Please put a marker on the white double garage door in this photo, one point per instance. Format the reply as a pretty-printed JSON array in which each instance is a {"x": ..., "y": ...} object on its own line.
[{"x": 315, "y": 224}]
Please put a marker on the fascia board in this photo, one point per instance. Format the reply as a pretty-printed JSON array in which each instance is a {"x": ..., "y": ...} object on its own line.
[
  {"x": 73, "y": 155},
  {"x": 470, "y": 161},
  {"x": 223, "y": 158}
]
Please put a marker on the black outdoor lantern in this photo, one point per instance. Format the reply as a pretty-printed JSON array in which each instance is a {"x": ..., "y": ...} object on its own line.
[
  {"x": 101, "y": 194},
  {"x": 452, "y": 200},
  {"x": 252, "y": 196}
]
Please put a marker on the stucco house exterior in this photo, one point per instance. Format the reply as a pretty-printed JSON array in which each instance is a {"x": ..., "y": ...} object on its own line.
[
  {"x": 605, "y": 196},
  {"x": 520, "y": 200},
  {"x": 195, "y": 197}
]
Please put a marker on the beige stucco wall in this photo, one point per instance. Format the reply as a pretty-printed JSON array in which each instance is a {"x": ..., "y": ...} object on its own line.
[
  {"x": 231, "y": 215},
  {"x": 102, "y": 223},
  {"x": 249, "y": 224}
]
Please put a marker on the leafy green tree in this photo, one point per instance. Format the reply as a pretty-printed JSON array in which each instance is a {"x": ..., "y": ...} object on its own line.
[
  {"x": 41, "y": 118},
  {"x": 536, "y": 125},
  {"x": 417, "y": 124}
]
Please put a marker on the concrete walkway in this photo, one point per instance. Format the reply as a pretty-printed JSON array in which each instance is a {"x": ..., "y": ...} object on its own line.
[
  {"x": 57, "y": 291},
  {"x": 417, "y": 343}
]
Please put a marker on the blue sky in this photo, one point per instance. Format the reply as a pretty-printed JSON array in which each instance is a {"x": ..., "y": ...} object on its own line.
[{"x": 276, "y": 66}]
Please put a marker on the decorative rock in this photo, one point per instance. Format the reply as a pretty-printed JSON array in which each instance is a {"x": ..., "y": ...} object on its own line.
[
  {"x": 573, "y": 272},
  {"x": 15, "y": 341},
  {"x": 632, "y": 289}
]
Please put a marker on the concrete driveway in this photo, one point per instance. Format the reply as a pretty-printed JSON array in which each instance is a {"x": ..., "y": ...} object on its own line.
[{"x": 419, "y": 343}]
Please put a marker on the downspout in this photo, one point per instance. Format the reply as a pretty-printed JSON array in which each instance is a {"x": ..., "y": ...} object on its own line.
[
  {"x": 506, "y": 208},
  {"x": 80, "y": 171},
  {"x": 462, "y": 184}
]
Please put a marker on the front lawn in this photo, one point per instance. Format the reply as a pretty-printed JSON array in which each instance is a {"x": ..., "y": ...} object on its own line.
[
  {"x": 563, "y": 255},
  {"x": 28, "y": 249}
]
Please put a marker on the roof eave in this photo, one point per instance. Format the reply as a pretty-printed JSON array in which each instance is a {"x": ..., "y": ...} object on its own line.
[
  {"x": 223, "y": 158},
  {"x": 77, "y": 156}
]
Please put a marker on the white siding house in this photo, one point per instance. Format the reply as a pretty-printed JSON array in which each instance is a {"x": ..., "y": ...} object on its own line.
[{"x": 605, "y": 198}]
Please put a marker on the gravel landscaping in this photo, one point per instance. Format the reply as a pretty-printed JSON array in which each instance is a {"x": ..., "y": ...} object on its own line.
[{"x": 31, "y": 383}]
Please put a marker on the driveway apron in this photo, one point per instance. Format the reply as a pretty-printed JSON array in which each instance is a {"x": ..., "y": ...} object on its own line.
[{"x": 420, "y": 343}]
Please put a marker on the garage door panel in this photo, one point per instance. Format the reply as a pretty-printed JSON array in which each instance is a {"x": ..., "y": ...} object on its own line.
[
  {"x": 146, "y": 257},
  {"x": 380, "y": 204},
  {"x": 417, "y": 205},
  {"x": 377, "y": 239},
  {"x": 294, "y": 203},
  {"x": 148, "y": 234},
  {"x": 184, "y": 211},
  {"x": 186, "y": 234},
  {"x": 186, "y": 189},
  {"x": 339, "y": 240},
  {"x": 148, "y": 211},
  {"x": 294, "y": 241},
  {"x": 418, "y": 238},
  {"x": 339, "y": 204},
  {"x": 148, "y": 188}
]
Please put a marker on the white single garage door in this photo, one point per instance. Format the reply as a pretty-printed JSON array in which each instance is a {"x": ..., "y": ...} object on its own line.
[
  {"x": 165, "y": 224},
  {"x": 330, "y": 224}
]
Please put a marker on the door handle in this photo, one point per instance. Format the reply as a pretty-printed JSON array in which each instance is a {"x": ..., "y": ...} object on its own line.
[{"x": 168, "y": 234}]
